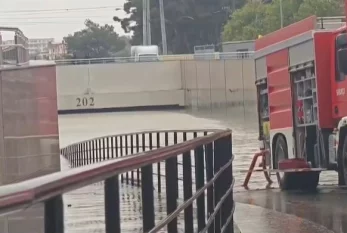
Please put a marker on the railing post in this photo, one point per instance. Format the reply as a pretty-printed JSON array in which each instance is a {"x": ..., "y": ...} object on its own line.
[
  {"x": 158, "y": 165},
  {"x": 103, "y": 149},
  {"x": 132, "y": 152},
  {"x": 121, "y": 154},
  {"x": 126, "y": 153},
  {"x": 171, "y": 190},
  {"x": 187, "y": 189},
  {"x": 90, "y": 147},
  {"x": 54, "y": 215},
  {"x": 223, "y": 154},
  {"x": 147, "y": 198},
  {"x": 112, "y": 205},
  {"x": 138, "y": 150},
  {"x": 200, "y": 182},
  {"x": 108, "y": 148},
  {"x": 209, "y": 176},
  {"x": 94, "y": 151},
  {"x": 83, "y": 151},
  {"x": 112, "y": 147}
]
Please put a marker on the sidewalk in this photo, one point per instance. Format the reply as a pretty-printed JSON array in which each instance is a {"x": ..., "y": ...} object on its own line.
[{"x": 251, "y": 219}]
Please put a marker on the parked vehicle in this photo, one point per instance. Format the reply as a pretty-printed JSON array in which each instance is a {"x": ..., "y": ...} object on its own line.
[
  {"x": 301, "y": 79},
  {"x": 145, "y": 53}
]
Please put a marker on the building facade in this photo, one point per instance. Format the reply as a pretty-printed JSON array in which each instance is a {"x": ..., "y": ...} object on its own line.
[
  {"x": 56, "y": 50},
  {"x": 243, "y": 48},
  {"x": 38, "y": 47}
]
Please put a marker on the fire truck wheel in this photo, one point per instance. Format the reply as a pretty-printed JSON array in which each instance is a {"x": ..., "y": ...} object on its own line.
[
  {"x": 293, "y": 180},
  {"x": 342, "y": 160},
  {"x": 281, "y": 153}
]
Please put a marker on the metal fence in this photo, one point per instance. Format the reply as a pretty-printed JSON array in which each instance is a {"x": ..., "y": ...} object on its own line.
[
  {"x": 199, "y": 160},
  {"x": 176, "y": 57}
]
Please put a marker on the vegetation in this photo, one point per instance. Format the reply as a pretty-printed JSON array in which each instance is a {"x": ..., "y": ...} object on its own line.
[
  {"x": 188, "y": 22},
  {"x": 256, "y": 18},
  {"x": 96, "y": 41}
]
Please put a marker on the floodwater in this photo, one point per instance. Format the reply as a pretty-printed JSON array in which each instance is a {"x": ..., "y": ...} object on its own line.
[{"x": 266, "y": 209}]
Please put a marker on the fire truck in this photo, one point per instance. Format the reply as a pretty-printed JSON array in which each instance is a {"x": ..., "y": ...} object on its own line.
[{"x": 301, "y": 80}]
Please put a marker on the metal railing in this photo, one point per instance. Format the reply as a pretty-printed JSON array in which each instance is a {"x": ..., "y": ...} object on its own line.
[
  {"x": 213, "y": 174},
  {"x": 331, "y": 22},
  {"x": 179, "y": 57},
  {"x": 118, "y": 146}
]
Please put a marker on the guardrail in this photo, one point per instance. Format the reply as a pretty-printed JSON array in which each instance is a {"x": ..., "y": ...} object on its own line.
[
  {"x": 212, "y": 153},
  {"x": 331, "y": 22},
  {"x": 118, "y": 146},
  {"x": 179, "y": 57}
]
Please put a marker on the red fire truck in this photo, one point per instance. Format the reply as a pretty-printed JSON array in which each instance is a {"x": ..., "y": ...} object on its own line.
[{"x": 301, "y": 79}]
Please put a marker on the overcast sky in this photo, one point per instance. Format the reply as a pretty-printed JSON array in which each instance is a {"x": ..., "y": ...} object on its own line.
[{"x": 40, "y": 19}]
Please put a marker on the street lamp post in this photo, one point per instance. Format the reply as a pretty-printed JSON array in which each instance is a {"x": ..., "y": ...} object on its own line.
[
  {"x": 281, "y": 13},
  {"x": 163, "y": 27},
  {"x": 144, "y": 22}
]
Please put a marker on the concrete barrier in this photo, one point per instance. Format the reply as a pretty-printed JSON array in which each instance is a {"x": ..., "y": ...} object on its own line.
[{"x": 154, "y": 85}]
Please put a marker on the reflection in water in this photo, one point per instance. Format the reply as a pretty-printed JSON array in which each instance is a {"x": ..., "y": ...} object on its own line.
[
  {"x": 325, "y": 207},
  {"x": 86, "y": 213}
]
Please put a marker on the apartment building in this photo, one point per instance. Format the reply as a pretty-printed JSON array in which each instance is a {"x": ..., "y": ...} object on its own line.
[
  {"x": 56, "y": 50},
  {"x": 44, "y": 48},
  {"x": 37, "y": 46}
]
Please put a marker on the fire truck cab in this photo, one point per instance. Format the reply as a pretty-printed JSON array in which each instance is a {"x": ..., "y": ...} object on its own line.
[{"x": 301, "y": 80}]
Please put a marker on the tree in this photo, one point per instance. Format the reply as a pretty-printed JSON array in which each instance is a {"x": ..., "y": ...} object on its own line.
[
  {"x": 273, "y": 16},
  {"x": 246, "y": 23},
  {"x": 320, "y": 8},
  {"x": 95, "y": 41},
  {"x": 188, "y": 22},
  {"x": 256, "y": 18}
]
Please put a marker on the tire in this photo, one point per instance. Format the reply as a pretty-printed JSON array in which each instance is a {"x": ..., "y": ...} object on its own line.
[
  {"x": 294, "y": 180},
  {"x": 342, "y": 163}
]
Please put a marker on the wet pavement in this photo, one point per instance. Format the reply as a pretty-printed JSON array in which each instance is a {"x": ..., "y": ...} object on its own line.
[
  {"x": 321, "y": 211},
  {"x": 257, "y": 210},
  {"x": 252, "y": 219}
]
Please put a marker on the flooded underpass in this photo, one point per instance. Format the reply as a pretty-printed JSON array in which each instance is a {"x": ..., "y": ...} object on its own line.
[{"x": 257, "y": 210}]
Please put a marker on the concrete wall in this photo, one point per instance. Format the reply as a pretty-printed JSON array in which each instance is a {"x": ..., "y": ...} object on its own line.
[
  {"x": 218, "y": 83},
  {"x": 192, "y": 83},
  {"x": 29, "y": 141},
  {"x": 119, "y": 85}
]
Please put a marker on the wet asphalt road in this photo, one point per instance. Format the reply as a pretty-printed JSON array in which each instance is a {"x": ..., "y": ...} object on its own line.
[
  {"x": 322, "y": 211},
  {"x": 257, "y": 210}
]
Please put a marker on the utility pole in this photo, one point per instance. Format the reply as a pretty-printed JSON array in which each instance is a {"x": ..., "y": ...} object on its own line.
[
  {"x": 144, "y": 22},
  {"x": 149, "y": 34},
  {"x": 281, "y": 12},
  {"x": 163, "y": 27}
]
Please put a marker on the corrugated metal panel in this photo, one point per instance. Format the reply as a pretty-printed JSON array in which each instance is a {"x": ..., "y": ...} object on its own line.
[
  {"x": 260, "y": 68},
  {"x": 301, "y": 53}
]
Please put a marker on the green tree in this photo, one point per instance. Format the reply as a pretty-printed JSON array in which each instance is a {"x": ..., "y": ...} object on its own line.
[
  {"x": 246, "y": 23},
  {"x": 256, "y": 18},
  {"x": 273, "y": 16},
  {"x": 95, "y": 41},
  {"x": 321, "y": 8},
  {"x": 188, "y": 22}
]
